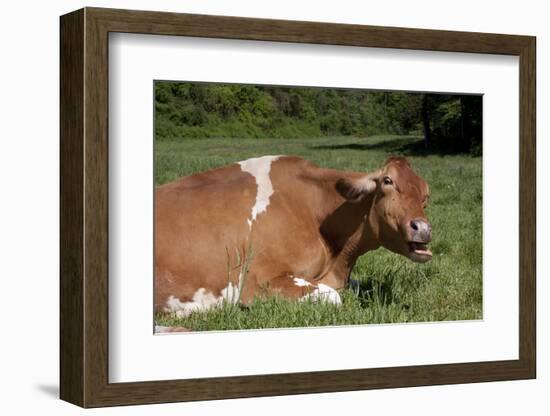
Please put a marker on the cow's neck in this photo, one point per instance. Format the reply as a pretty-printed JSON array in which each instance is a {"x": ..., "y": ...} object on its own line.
[{"x": 347, "y": 233}]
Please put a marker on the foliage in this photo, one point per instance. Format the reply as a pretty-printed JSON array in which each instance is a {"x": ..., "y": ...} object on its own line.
[
  {"x": 454, "y": 122},
  {"x": 198, "y": 110},
  {"x": 392, "y": 288}
]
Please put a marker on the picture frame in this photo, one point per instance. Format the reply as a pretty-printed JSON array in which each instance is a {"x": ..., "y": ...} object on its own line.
[{"x": 84, "y": 216}]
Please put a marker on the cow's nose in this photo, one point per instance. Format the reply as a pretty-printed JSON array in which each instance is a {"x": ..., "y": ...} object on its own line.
[{"x": 421, "y": 230}]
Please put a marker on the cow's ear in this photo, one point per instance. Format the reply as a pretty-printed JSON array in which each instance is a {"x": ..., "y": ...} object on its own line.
[{"x": 357, "y": 189}]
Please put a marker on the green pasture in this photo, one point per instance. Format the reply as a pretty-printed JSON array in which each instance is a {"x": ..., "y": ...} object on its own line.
[{"x": 392, "y": 288}]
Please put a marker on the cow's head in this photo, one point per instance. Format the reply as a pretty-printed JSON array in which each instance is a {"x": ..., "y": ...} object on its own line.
[{"x": 395, "y": 197}]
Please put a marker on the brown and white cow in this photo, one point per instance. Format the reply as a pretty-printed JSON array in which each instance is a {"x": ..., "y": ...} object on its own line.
[{"x": 280, "y": 225}]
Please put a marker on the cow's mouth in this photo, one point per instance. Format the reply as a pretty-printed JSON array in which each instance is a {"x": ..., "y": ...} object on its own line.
[{"x": 419, "y": 251}]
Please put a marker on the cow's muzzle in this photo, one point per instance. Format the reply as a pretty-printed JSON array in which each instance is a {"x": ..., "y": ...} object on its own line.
[
  {"x": 420, "y": 235},
  {"x": 421, "y": 230}
]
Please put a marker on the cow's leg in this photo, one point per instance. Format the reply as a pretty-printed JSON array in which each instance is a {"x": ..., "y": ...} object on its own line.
[
  {"x": 293, "y": 287},
  {"x": 287, "y": 286}
]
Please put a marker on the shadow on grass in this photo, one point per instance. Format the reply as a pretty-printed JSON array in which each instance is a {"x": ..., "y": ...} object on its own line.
[
  {"x": 372, "y": 290},
  {"x": 407, "y": 146}
]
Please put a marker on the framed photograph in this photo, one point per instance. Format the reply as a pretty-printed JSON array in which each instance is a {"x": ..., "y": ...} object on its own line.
[{"x": 255, "y": 207}]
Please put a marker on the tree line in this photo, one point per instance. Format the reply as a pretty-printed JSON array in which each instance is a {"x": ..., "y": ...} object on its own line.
[{"x": 448, "y": 123}]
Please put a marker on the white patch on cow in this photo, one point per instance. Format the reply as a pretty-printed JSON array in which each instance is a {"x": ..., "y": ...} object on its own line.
[
  {"x": 327, "y": 294},
  {"x": 321, "y": 292},
  {"x": 201, "y": 301},
  {"x": 298, "y": 281},
  {"x": 259, "y": 167}
]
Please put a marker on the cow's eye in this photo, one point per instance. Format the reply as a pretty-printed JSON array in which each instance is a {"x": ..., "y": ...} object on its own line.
[{"x": 387, "y": 180}]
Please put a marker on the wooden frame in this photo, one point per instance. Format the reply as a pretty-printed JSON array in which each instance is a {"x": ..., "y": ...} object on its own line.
[{"x": 84, "y": 207}]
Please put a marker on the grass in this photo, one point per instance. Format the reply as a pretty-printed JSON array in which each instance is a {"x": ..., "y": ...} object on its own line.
[{"x": 391, "y": 288}]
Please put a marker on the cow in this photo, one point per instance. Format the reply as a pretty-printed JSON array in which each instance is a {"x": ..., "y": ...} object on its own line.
[{"x": 280, "y": 225}]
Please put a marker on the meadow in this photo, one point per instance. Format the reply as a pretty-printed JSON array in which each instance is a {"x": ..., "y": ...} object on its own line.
[{"x": 391, "y": 288}]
